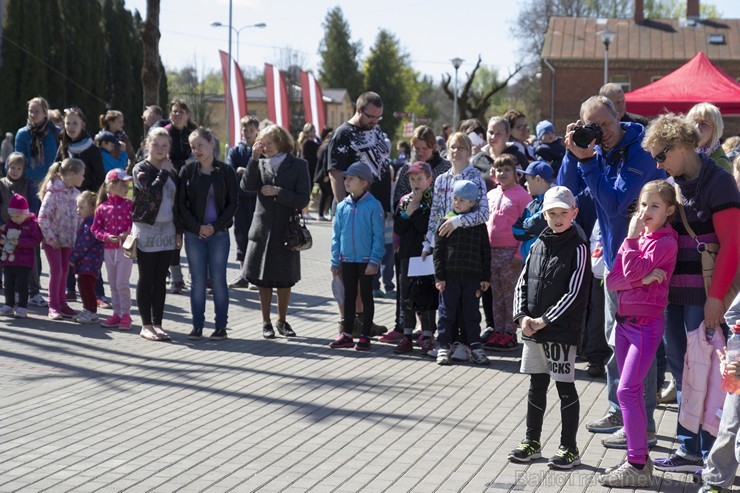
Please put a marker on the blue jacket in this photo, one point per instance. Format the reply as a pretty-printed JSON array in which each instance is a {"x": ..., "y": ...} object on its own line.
[
  {"x": 615, "y": 180},
  {"x": 34, "y": 170},
  {"x": 358, "y": 234},
  {"x": 530, "y": 224}
]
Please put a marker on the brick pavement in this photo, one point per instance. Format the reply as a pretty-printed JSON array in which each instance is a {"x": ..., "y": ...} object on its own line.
[{"x": 89, "y": 409}]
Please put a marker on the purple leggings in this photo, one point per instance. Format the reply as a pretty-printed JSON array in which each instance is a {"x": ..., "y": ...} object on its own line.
[{"x": 637, "y": 341}]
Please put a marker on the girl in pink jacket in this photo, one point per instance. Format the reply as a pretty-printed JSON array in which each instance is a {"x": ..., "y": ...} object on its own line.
[
  {"x": 640, "y": 276},
  {"x": 112, "y": 224}
]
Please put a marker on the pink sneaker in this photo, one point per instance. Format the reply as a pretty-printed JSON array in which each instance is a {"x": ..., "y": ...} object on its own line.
[
  {"x": 112, "y": 321},
  {"x": 67, "y": 312},
  {"x": 125, "y": 322},
  {"x": 55, "y": 315},
  {"x": 392, "y": 336}
]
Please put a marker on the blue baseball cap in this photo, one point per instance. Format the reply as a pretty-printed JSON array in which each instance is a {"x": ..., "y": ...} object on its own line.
[
  {"x": 360, "y": 170},
  {"x": 541, "y": 169}
]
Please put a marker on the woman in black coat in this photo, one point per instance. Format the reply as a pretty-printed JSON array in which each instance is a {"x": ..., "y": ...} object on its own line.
[{"x": 283, "y": 187}]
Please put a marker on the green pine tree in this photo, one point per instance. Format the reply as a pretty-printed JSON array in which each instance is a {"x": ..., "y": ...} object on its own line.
[{"x": 339, "y": 55}]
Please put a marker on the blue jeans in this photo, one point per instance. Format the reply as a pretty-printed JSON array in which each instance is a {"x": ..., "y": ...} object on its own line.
[
  {"x": 679, "y": 320},
  {"x": 206, "y": 256}
]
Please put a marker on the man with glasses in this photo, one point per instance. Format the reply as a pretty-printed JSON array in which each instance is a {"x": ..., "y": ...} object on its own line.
[{"x": 613, "y": 172}]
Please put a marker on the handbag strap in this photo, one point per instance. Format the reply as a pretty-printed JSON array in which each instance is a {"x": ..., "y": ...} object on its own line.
[{"x": 701, "y": 246}]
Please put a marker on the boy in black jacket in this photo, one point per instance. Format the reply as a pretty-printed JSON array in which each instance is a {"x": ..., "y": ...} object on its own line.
[
  {"x": 550, "y": 306},
  {"x": 410, "y": 224},
  {"x": 462, "y": 270}
]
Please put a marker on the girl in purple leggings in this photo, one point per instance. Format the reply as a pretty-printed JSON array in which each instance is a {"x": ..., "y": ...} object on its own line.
[{"x": 640, "y": 275}]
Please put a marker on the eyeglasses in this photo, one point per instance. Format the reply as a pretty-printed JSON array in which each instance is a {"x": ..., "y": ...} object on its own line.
[
  {"x": 661, "y": 156},
  {"x": 372, "y": 117}
]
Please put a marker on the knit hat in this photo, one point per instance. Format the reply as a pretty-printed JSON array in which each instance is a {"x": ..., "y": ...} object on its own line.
[
  {"x": 360, "y": 170},
  {"x": 543, "y": 127},
  {"x": 558, "y": 197},
  {"x": 466, "y": 189},
  {"x": 419, "y": 167},
  {"x": 18, "y": 205},
  {"x": 117, "y": 174},
  {"x": 541, "y": 169}
]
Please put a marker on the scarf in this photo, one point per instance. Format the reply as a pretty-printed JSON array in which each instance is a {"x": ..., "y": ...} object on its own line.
[
  {"x": 709, "y": 148},
  {"x": 79, "y": 146},
  {"x": 275, "y": 162},
  {"x": 426, "y": 201},
  {"x": 38, "y": 134}
]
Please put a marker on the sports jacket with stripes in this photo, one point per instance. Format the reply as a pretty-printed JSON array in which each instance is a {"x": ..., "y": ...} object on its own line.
[{"x": 554, "y": 285}]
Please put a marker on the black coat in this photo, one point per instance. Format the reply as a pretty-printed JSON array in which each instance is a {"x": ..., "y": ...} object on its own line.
[
  {"x": 192, "y": 196},
  {"x": 555, "y": 285},
  {"x": 465, "y": 255},
  {"x": 267, "y": 259}
]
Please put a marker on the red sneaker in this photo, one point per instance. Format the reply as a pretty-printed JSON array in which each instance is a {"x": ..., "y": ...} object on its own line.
[
  {"x": 427, "y": 345},
  {"x": 404, "y": 346},
  {"x": 67, "y": 312},
  {"x": 392, "y": 336},
  {"x": 111, "y": 321}
]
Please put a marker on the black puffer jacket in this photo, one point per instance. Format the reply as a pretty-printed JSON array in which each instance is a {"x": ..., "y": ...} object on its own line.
[{"x": 554, "y": 285}]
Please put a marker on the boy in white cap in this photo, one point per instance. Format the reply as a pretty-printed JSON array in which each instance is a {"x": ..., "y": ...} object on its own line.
[{"x": 550, "y": 307}]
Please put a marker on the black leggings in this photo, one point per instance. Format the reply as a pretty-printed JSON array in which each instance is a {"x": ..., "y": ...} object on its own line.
[
  {"x": 326, "y": 197},
  {"x": 352, "y": 273},
  {"x": 16, "y": 281},
  {"x": 537, "y": 403},
  {"x": 152, "y": 286}
]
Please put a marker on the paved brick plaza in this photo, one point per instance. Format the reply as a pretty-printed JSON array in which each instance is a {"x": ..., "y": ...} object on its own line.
[{"x": 89, "y": 409}]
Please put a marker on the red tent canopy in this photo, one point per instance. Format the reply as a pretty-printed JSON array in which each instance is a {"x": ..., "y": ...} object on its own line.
[{"x": 696, "y": 82}]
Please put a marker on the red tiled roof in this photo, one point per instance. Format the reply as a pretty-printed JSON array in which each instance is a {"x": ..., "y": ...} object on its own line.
[{"x": 654, "y": 39}]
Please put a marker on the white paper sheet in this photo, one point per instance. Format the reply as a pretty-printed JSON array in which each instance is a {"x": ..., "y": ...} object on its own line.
[{"x": 419, "y": 267}]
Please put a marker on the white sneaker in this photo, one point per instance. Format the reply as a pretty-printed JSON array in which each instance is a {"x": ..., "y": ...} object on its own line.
[
  {"x": 21, "y": 313},
  {"x": 6, "y": 311},
  {"x": 460, "y": 352},
  {"x": 443, "y": 356},
  {"x": 37, "y": 300},
  {"x": 478, "y": 356},
  {"x": 86, "y": 317}
]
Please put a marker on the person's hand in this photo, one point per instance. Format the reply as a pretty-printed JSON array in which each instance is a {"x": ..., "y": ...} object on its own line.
[
  {"x": 240, "y": 170},
  {"x": 257, "y": 149},
  {"x": 446, "y": 228},
  {"x": 269, "y": 190},
  {"x": 416, "y": 196},
  {"x": 166, "y": 165},
  {"x": 577, "y": 151},
  {"x": 178, "y": 241},
  {"x": 205, "y": 231},
  {"x": 524, "y": 323},
  {"x": 714, "y": 310},
  {"x": 655, "y": 275},
  {"x": 537, "y": 324},
  {"x": 637, "y": 224},
  {"x": 335, "y": 271},
  {"x": 122, "y": 236},
  {"x": 371, "y": 269},
  {"x": 113, "y": 238},
  {"x": 424, "y": 255},
  {"x": 484, "y": 285},
  {"x": 722, "y": 355},
  {"x": 440, "y": 285}
]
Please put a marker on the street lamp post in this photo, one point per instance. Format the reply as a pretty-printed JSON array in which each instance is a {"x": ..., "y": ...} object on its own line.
[
  {"x": 456, "y": 62},
  {"x": 607, "y": 36},
  {"x": 228, "y": 76}
]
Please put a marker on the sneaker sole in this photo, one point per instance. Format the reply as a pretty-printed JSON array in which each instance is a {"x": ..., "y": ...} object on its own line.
[
  {"x": 341, "y": 346},
  {"x": 217, "y": 338},
  {"x": 443, "y": 362},
  {"x": 513, "y": 458},
  {"x": 691, "y": 469},
  {"x": 603, "y": 430},
  {"x": 56, "y": 317},
  {"x": 573, "y": 464},
  {"x": 623, "y": 446},
  {"x": 500, "y": 349}
]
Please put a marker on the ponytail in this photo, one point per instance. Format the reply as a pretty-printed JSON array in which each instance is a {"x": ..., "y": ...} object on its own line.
[
  {"x": 102, "y": 194},
  {"x": 57, "y": 170}
]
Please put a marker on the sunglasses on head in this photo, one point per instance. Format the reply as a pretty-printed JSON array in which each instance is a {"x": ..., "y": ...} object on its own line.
[{"x": 661, "y": 156}]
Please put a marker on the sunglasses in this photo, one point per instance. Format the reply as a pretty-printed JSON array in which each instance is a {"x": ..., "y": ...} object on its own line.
[
  {"x": 372, "y": 117},
  {"x": 661, "y": 156}
]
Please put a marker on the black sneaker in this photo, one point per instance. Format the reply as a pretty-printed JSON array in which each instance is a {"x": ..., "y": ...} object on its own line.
[
  {"x": 218, "y": 335},
  {"x": 268, "y": 332},
  {"x": 596, "y": 369},
  {"x": 285, "y": 329},
  {"x": 526, "y": 451},
  {"x": 195, "y": 334},
  {"x": 240, "y": 283},
  {"x": 676, "y": 463},
  {"x": 564, "y": 458},
  {"x": 363, "y": 344}
]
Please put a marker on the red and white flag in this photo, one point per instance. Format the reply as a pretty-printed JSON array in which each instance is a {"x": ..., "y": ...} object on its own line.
[
  {"x": 313, "y": 101},
  {"x": 238, "y": 94},
  {"x": 278, "y": 105}
]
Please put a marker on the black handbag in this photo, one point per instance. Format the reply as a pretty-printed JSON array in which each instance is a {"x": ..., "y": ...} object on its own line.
[{"x": 297, "y": 235}]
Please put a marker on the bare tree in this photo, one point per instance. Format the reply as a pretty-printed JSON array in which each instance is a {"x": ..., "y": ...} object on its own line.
[{"x": 150, "y": 35}]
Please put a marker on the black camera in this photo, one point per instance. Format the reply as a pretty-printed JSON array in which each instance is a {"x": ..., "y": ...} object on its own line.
[{"x": 584, "y": 134}]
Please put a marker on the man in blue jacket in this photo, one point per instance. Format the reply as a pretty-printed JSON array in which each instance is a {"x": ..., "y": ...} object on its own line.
[{"x": 614, "y": 171}]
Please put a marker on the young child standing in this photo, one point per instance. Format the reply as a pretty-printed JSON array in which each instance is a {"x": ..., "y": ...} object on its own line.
[
  {"x": 506, "y": 203},
  {"x": 640, "y": 275},
  {"x": 357, "y": 247},
  {"x": 110, "y": 149},
  {"x": 18, "y": 260},
  {"x": 531, "y": 223},
  {"x": 550, "y": 306},
  {"x": 86, "y": 259},
  {"x": 462, "y": 270},
  {"x": 58, "y": 220},
  {"x": 410, "y": 224},
  {"x": 111, "y": 225}
]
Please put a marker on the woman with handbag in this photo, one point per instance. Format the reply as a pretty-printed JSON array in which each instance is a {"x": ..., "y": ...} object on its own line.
[
  {"x": 283, "y": 187},
  {"x": 206, "y": 202},
  {"x": 709, "y": 212},
  {"x": 156, "y": 227}
]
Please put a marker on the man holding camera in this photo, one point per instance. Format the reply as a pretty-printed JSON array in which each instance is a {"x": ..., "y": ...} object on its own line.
[{"x": 607, "y": 157}]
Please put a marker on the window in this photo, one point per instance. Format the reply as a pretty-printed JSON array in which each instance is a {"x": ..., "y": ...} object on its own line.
[
  {"x": 716, "y": 39},
  {"x": 655, "y": 78},
  {"x": 622, "y": 80}
]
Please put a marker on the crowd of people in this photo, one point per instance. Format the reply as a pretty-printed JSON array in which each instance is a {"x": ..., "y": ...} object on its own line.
[{"x": 586, "y": 245}]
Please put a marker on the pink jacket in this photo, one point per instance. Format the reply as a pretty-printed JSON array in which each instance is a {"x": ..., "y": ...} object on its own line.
[
  {"x": 505, "y": 207},
  {"x": 112, "y": 217},
  {"x": 636, "y": 258},
  {"x": 58, "y": 217},
  {"x": 30, "y": 238},
  {"x": 702, "y": 397}
]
